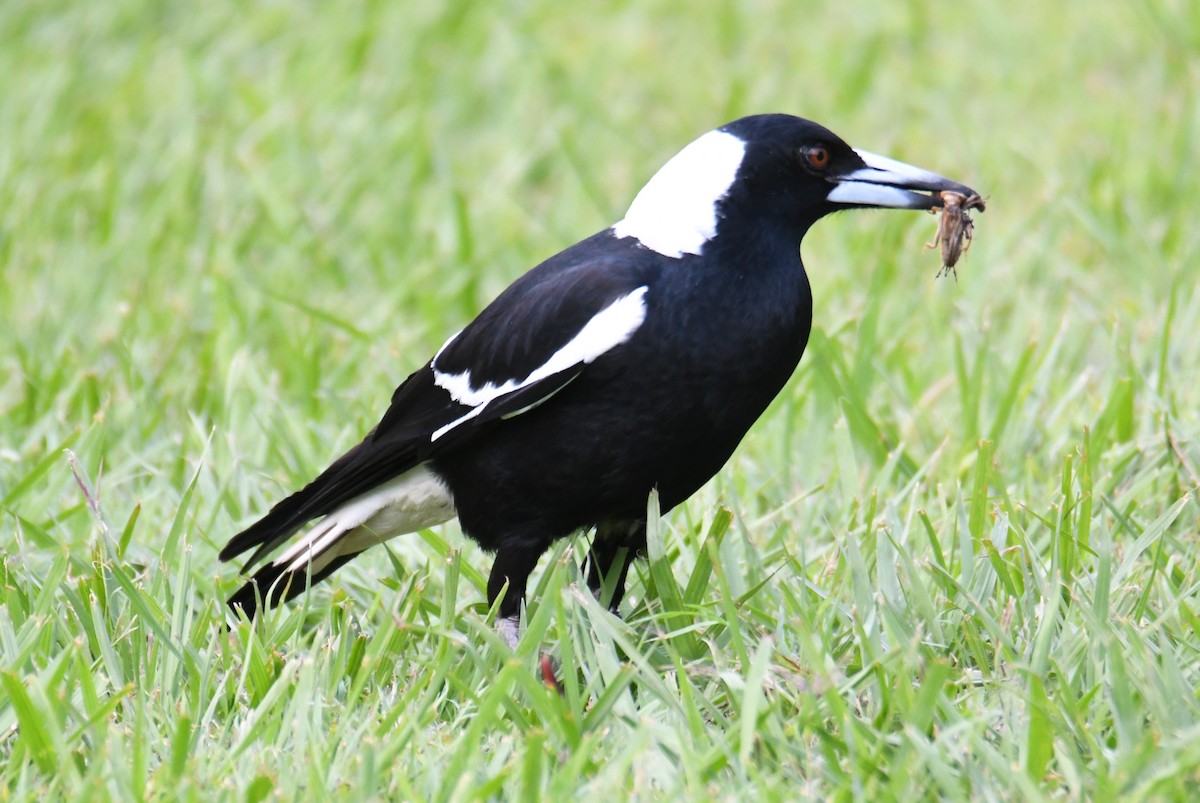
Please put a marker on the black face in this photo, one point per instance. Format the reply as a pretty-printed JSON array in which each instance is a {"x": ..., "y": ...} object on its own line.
[
  {"x": 794, "y": 172},
  {"x": 792, "y": 143},
  {"x": 788, "y": 169}
]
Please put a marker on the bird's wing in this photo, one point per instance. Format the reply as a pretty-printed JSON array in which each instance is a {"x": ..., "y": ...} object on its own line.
[{"x": 527, "y": 345}]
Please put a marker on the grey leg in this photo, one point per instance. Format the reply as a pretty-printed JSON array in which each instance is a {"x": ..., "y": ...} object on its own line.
[
  {"x": 613, "y": 549},
  {"x": 511, "y": 567},
  {"x": 509, "y": 628}
]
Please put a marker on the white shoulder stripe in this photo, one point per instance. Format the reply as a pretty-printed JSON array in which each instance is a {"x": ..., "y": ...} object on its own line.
[
  {"x": 676, "y": 212},
  {"x": 607, "y": 329}
]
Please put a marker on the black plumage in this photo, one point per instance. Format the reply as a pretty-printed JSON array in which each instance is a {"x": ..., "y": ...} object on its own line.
[{"x": 635, "y": 359}]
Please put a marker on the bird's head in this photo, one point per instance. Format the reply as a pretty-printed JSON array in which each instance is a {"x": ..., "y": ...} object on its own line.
[{"x": 770, "y": 172}]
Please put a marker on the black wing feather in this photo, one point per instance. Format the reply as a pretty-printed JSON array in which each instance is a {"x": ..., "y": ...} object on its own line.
[
  {"x": 515, "y": 335},
  {"x": 367, "y": 465},
  {"x": 539, "y": 313}
]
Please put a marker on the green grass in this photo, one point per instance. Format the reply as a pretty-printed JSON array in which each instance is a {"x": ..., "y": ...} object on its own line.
[{"x": 958, "y": 558}]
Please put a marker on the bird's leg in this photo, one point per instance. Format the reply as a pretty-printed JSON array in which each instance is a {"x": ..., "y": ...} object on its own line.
[
  {"x": 512, "y": 567},
  {"x": 509, "y": 629},
  {"x": 611, "y": 554}
]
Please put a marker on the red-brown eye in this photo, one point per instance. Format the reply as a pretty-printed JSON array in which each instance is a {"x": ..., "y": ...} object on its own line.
[{"x": 817, "y": 157}]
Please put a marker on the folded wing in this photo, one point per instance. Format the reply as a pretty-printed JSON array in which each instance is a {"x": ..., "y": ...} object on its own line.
[{"x": 525, "y": 347}]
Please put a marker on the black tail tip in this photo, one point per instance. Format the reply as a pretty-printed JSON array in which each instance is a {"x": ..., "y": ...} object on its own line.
[
  {"x": 274, "y": 584},
  {"x": 262, "y": 589},
  {"x": 244, "y": 600}
]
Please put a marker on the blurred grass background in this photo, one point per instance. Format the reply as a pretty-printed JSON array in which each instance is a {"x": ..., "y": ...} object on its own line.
[{"x": 963, "y": 553}]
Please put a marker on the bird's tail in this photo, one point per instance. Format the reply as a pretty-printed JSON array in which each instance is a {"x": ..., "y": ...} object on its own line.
[
  {"x": 414, "y": 500},
  {"x": 273, "y": 584},
  {"x": 351, "y": 475}
]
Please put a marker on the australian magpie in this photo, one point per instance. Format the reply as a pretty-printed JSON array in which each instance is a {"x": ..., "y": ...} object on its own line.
[{"x": 635, "y": 359}]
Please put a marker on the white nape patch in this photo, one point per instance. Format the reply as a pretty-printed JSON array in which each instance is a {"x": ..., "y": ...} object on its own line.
[
  {"x": 416, "y": 499},
  {"x": 676, "y": 212},
  {"x": 607, "y": 329},
  {"x": 882, "y": 170}
]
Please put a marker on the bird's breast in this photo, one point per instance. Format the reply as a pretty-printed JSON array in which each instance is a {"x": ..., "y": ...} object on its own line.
[{"x": 747, "y": 324}]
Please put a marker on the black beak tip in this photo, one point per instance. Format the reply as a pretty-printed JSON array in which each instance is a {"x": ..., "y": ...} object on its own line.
[{"x": 961, "y": 195}]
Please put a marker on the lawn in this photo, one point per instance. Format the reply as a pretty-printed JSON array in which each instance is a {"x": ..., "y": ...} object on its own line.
[{"x": 959, "y": 556}]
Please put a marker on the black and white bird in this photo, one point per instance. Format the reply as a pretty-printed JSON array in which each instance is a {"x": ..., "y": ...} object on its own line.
[{"x": 635, "y": 359}]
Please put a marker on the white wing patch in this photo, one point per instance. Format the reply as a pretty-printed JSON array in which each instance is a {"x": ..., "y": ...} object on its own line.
[
  {"x": 609, "y": 328},
  {"x": 676, "y": 212},
  {"x": 416, "y": 499}
]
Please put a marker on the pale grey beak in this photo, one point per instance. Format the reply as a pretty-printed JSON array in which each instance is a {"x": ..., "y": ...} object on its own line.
[{"x": 885, "y": 182}]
